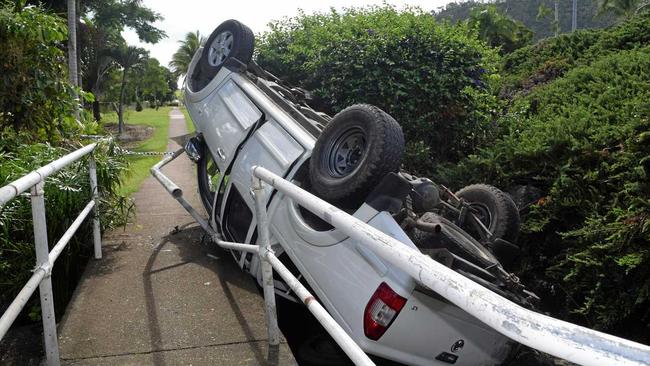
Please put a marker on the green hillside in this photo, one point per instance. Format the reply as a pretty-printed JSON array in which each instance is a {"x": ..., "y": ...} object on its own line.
[{"x": 526, "y": 12}]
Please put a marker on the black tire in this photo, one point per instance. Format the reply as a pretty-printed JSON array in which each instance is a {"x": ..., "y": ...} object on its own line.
[
  {"x": 239, "y": 43},
  {"x": 357, "y": 148},
  {"x": 206, "y": 170},
  {"x": 497, "y": 211}
]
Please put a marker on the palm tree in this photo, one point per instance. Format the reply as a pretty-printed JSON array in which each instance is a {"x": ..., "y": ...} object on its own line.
[
  {"x": 498, "y": 29},
  {"x": 182, "y": 58},
  {"x": 623, "y": 8},
  {"x": 544, "y": 12},
  {"x": 127, "y": 57}
]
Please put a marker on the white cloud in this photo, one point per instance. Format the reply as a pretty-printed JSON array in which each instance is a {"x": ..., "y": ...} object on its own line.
[{"x": 204, "y": 15}]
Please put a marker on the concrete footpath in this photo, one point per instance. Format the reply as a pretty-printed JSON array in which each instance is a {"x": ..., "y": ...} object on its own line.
[{"x": 157, "y": 298}]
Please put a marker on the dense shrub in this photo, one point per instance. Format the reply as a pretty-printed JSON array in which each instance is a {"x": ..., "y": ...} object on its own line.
[
  {"x": 522, "y": 68},
  {"x": 584, "y": 140},
  {"x": 433, "y": 78},
  {"x": 35, "y": 96},
  {"x": 66, "y": 194},
  {"x": 36, "y": 127}
]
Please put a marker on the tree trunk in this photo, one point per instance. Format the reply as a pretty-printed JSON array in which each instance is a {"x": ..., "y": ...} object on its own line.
[
  {"x": 120, "y": 109},
  {"x": 72, "y": 50},
  {"x": 96, "y": 111}
]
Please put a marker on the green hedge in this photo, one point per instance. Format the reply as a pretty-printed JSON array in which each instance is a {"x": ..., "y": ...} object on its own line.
[
  {"x": 584, "y": 140},
  {"x": 552, "y": 57},
  {"x": 37, "y": 126},
  {"x": 433, "y": 78},
  {"x": 36, "y": 99}
]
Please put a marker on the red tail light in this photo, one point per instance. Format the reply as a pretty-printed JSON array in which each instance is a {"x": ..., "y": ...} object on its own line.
[{"x": 382, "y": 309}]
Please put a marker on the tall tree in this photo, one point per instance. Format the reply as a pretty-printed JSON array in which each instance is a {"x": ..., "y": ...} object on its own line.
[
  {"x": 127, "y": 58},
  {"x": 544, "y": 12},
  {"x": 498, "y": 29},
  {"x": 182, "y": 58},
  {"x": 624, "y": 9}
]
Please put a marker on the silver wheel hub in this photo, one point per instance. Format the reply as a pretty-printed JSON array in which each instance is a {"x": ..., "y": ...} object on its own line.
[{"x": 220, "y": 48}]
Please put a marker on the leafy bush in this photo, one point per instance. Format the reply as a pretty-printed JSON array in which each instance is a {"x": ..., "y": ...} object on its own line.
[
  {"x": 523, "y": 66},
  {"x": 433, "y": 78},
  {"x": 66, "y": 194},
  {"x": 584, "y": 140},
  {"x": 35, "y": 96}
]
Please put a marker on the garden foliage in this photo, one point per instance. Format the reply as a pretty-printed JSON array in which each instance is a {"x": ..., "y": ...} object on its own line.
[
  {"x": 583, "y": 139},
  {"x": 433, "y": 78},
  {"x": 552, "y": 57},
  {"x": 36, "y": 127},
  {"x": 35, "y": 97},
  {"x": 569, "y": 117}
]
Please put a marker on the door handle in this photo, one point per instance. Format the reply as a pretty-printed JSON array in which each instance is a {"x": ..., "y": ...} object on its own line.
[{"x": 221, "y": 154}]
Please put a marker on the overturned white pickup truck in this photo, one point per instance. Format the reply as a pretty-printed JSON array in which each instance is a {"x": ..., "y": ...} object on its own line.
[{"x": 246, "y": 117}]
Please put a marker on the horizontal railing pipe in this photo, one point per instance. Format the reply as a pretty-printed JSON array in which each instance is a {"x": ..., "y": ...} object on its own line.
[
  {"x": 16, "y": 306},
  {"x": 72, "y": 229},
  {"x": 20, "y": 185},
  {"x": 556, "y": 337},
  {"x": 347, "y": 344}
]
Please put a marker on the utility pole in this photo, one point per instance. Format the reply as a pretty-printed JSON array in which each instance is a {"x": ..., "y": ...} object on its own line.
[
  {"x": 574, "y": 18},
  {"x": 556, "y": 25},
  {"x": 72, "y": 50}
]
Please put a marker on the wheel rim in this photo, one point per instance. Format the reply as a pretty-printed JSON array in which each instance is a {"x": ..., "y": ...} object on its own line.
[
  {"x": 220, "y": 48},
  {"x": 346, "y": 152},
  {"x": 482, "y": 213}
]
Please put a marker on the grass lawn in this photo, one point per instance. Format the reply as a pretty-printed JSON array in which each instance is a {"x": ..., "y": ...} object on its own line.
[
  {"x": 188, "y": 120},
  {"x": 139, "y": 165}
]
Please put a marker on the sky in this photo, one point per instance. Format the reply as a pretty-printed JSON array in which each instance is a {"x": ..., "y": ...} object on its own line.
[{"x": 186, "y": 16}]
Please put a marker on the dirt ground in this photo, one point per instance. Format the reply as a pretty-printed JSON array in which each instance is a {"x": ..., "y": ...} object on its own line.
[{"x": 132, "y": 134}]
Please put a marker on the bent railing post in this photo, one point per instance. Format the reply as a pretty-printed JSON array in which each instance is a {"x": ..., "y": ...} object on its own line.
[
  {"x": 45, "y": 287},
  {"x": 94, "y": 189},
  {"x": 267, "y": 269}
]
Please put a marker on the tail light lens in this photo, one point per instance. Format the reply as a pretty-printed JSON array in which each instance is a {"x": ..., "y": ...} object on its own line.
[{"x": 382, "y": 309}]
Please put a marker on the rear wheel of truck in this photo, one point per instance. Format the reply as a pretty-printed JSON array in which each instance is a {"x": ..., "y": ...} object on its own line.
[
  {"x": 357, "y": 148},
  {"x": 494, "y": 208}
]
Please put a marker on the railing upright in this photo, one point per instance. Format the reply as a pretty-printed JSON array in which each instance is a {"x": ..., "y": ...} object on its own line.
[
  {"x": 97, "y": 235},
  {"x": 45, "y": 287}
]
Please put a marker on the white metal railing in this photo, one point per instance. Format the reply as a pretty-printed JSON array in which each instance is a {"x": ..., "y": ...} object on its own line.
[
  {"x": 556, "y": 337},
  {"x": 34, "y": 181}
]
